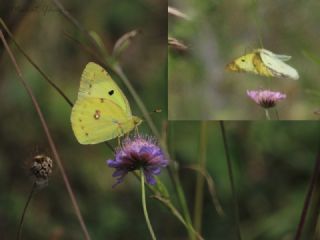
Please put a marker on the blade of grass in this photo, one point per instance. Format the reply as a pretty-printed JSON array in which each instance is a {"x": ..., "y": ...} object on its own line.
[
  {"x": 50, "y": 140},
  {"x": 230, "y": 174},
  {"x": 211, "y": 188},
  {"x": 316, "y": 172},
  {"x": 198, "y": 203}
]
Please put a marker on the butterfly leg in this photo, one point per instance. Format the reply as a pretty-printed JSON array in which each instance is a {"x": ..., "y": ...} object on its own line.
[{"x": 136, "y": 130}]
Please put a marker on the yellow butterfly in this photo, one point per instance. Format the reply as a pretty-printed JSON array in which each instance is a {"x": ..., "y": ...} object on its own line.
[
  {"x": 102, "y": 111},
  {"x": 265, "y": 63}
]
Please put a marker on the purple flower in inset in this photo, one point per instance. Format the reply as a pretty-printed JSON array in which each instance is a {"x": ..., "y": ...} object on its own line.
[
  {"x": 266, "y": 98},
  {"x": 137, "y": 153}
]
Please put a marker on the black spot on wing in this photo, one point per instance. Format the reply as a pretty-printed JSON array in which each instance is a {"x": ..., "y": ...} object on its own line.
[{"x": 111, "y": 92}]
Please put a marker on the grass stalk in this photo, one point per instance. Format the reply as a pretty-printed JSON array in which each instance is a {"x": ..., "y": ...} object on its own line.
[
  {"x": 312, "y": 184},
  {"x": 198, "y": 205},
  {"x": 230, "y": 174}
]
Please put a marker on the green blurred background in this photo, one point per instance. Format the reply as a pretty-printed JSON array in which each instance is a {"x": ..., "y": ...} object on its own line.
[
  {"x": 219, "y": 31},
  {"x": 272, "y": 163}
]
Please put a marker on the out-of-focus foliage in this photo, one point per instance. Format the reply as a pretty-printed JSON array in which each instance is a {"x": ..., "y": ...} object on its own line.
[
  {"x": 272, "y": 164},
  {"x": 41, "y": 31},
  {"x": 219, "y": 31}
]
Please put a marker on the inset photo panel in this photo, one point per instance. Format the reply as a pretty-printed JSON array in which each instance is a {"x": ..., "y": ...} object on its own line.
[{"x": 243, "y": 60}]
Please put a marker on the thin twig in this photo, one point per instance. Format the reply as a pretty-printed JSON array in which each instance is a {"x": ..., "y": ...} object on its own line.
[
  {"x": 25, "y": 210},
  {"x": 230, "y": 173},
  {"x": 50, "y": 140},
  {"x": 316, "y": 172}
]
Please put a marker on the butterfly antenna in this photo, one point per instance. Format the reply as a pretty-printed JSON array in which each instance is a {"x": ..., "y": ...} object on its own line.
[{"x": 157, "y": 110}]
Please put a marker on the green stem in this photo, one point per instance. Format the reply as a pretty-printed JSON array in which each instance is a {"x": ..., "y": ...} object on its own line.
[
  {"x": 144, "y": 205},
  {"x": 197, "y": 215},
  {"x": 230, "y": 173},
  {"x": 267, "y": 114},
  {"x": 25, "y": 210}
]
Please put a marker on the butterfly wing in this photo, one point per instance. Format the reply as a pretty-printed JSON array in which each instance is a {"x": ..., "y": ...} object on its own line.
[
  {"x": 96, "y": 120},
  {"x": 281, "y": 57},
  {"x": 97, "y": 83},
  {"x": 277, "y": 66}
]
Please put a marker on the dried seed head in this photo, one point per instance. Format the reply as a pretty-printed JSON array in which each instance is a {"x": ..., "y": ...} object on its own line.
[{"x": 41, "y": 169}]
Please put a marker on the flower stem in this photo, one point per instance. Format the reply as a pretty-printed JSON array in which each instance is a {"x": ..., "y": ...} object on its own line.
[
  {"x": 25, "y": 210},
  {"x": 144, "y": 206},
  {"x": 267, "y": 114}
]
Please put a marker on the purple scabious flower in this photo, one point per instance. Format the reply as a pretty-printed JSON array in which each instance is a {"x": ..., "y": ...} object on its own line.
[
  {"x": 136, "y": 153},
  {"x": 266, "y": 98}
]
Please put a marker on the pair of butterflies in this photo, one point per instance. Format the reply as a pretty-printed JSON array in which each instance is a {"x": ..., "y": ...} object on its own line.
[
  {"x": 265, "y": 63},
  {"x": 101, "y": 112}
]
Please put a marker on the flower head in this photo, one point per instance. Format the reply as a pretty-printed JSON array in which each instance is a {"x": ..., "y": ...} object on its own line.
[
  {"x": 41, "y": 169},
  {"x": 137, "y": 153},
  {"x": 266, "y": 98}
]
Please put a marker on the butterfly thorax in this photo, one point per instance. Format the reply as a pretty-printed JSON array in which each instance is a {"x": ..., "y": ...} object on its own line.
[
  {"x": 259, "y": 66},
  {"x": 136, "y": 121}
]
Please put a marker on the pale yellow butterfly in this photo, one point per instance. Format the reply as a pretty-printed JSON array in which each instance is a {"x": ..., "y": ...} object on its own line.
[
  {"x": 102, "y": 111},
  {"x": 265, "y": 63}
]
